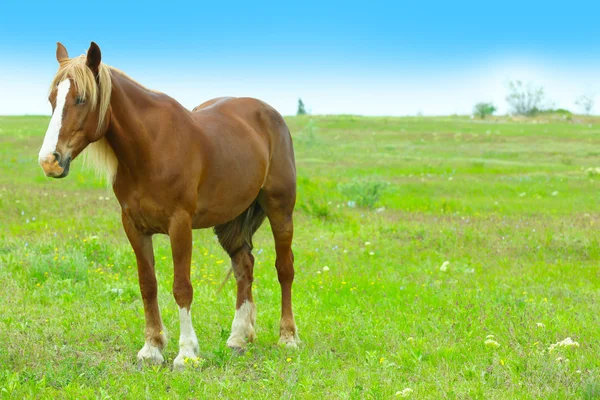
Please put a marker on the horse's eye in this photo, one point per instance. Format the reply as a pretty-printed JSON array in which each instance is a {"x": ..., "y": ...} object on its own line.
[{"x": 80, "y": 100}]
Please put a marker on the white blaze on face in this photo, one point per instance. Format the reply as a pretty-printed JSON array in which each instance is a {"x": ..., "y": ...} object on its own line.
[{"x": 51, "y": 138}]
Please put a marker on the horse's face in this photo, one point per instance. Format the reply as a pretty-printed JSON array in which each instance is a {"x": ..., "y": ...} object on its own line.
[{"x": 74, "y": 123}]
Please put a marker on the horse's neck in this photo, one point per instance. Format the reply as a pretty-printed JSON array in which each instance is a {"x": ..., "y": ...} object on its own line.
[{"x": 130, "y": 132}]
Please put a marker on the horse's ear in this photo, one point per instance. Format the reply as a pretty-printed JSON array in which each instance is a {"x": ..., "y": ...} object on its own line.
[
  {"x": 93, "y": 58},
  {"x": 61, "y": 52}
]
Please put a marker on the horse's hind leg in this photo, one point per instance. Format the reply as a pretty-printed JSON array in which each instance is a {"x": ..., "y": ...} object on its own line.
[
  {"x": 242, "y": 327},
  {"x": 278, "y": 206},
  {"x": 236, "y": 238}
]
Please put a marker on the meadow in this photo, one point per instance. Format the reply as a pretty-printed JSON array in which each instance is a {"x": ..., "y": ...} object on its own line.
[{"x": 435, "y": 258}]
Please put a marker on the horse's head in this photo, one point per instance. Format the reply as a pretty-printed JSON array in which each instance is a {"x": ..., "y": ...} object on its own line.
[{"x": 80, "y": 97}]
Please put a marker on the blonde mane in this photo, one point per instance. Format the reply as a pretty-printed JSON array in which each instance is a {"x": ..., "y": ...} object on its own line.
[{"x": 98, "y": 155}]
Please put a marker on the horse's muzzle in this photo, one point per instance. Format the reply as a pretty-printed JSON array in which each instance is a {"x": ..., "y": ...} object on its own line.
[{"x": 55, "y": 165}]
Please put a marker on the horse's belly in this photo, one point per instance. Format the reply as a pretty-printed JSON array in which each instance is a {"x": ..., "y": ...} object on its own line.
[{"x": 220, "y": 206}]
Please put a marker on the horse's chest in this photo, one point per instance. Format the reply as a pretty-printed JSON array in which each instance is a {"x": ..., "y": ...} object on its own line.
[{"x": 147, "y": 214}]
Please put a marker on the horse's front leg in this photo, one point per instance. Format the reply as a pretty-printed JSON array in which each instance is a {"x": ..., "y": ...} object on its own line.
[
  {"x": 180, "y": 233},
  {"x": 156, "y": 339}
]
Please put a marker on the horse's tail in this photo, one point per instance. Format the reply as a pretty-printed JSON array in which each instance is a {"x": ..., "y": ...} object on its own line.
[{"x": 236, "y": 234}]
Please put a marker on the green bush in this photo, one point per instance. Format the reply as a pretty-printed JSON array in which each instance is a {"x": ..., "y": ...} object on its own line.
[
  {"x": 482, "y": 110},
  {"x": 313, "y": 199},
  {"x": 316, "y": 208},
  {"x": 365, "y": 192}
]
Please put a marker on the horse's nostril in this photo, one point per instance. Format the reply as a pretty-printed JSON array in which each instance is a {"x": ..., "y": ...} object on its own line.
[{"x": 57, "y": 156}]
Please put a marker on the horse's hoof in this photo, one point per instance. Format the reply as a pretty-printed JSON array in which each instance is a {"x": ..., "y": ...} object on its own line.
[
  {"x": 237, "y": 344},
  {"x": 187, "y": 356},
  {"x": 150, "y": 355},
  {"x": 182, "y": 362},
  {"x": 289, "y": 341}
]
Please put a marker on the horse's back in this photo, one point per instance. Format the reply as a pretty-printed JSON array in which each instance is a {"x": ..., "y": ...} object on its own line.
[
  {"x": 249, "y": 109},
  {"x": 256, "y": 114},
  {"x": 211, "y": 102}
]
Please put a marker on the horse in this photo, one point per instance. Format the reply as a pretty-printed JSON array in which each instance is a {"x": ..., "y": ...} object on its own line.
[{"x": 227, "y": 164}]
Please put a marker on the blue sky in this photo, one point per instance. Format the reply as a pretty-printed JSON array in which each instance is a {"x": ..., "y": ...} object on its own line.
[{"x": 372, "y": 58}]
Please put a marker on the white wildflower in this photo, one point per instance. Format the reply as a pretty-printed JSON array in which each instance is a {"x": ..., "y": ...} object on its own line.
[
  {"x": 326, "y": 268},
  {"x": 540, "y": 325},
  {"x": 491, "y": 343},
  {"x": 404, "y": 392},
  {"x": 568, "y": 342},
  {"x": 593, "y": 171},
  {"x": 444, "y": 266}
]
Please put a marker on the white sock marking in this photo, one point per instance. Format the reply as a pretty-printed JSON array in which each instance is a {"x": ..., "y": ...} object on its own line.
[
  {"x": 188, "y": 342},
  {"x": 51, "y": 138},
  {"x": 242, "y": 326},
  {"x": 187, "y": 333}
]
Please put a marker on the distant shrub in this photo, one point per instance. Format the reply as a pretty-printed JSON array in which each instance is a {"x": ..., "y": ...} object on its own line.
[
  {"x": 586, "y": 102},
  {"x": 301, "y": 108},
  {"x": 482, "y": 110},
  {"x": 365, "y": 192},
  {"x": 526, "y": 99},
  {"x": 556, "y": 111},
  {"x": 561, "y": 111}
]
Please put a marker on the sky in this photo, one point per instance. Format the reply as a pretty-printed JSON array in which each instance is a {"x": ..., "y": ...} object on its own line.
[{"x": 366, "y": 58}]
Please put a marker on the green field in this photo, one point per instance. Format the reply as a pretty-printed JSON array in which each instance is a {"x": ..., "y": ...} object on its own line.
[{"x": 512, "y": 206}]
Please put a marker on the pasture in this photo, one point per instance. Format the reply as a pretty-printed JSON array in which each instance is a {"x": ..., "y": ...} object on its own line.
[{"x": 479, "y": 255}]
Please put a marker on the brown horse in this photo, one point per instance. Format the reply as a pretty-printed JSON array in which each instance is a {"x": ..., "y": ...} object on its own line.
[{"x": 228, "y": 165}]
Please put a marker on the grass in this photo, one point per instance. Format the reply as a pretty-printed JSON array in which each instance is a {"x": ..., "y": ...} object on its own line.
[{"x": 513, "y": 206}]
